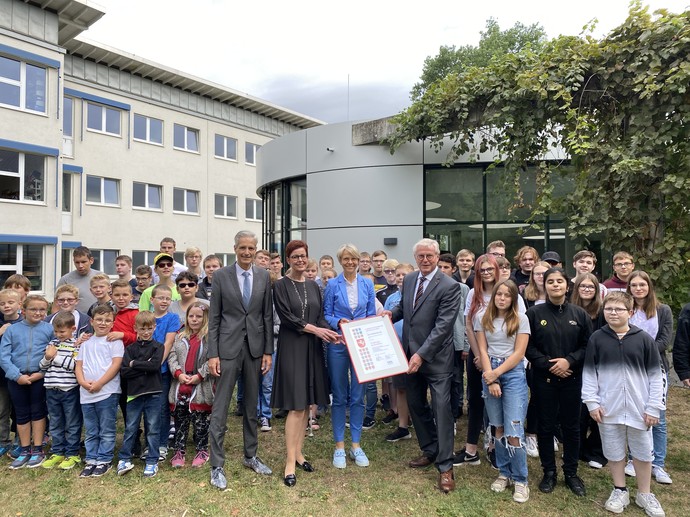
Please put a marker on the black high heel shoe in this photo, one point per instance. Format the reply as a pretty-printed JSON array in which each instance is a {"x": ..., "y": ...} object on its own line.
[
  {"x": 306, "y": 466},
  {"x": 290, "y": 480}
]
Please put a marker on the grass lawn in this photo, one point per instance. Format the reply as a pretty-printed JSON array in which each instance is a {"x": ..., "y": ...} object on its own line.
[{"x": 387, "y": 487}]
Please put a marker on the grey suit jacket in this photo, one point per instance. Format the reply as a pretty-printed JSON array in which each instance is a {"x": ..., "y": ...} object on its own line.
[
  {"x": 428, "y": 327},
  {"x": 229, "y": 322}
]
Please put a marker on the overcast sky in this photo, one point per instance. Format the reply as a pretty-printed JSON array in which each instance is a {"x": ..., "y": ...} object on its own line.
[{"x": 306, "y": 55}]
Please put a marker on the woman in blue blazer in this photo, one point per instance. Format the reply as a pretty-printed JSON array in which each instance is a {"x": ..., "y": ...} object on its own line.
[{"x": 347, "y": 297}]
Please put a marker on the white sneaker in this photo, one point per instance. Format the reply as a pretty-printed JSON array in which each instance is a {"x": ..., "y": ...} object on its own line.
[
  {"x": 630, "y": 469},
  {"x": 617, "y": 501},
  {"x": 264, "y": 424},
  {"x": 661, "y": 476},
  {"x": 500, "y": 484},
  {"x": 649, "y": 504},
  {"x": 521, "y": 493},
  {"x": 595, "y": 464},
  {"x": 531, "y": 446}
]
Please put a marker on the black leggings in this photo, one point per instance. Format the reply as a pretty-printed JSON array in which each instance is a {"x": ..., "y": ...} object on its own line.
[
  {"x": 475, "y": 402},
  {"x": 183, "y": 418}
]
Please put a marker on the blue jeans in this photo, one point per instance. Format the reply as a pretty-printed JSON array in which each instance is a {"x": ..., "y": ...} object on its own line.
[
  {"x": 149, "y": 405},
  {"x": 508, "y": 411},
  {"x": 99, "y": 424},
  {"x": 164, "y": 420},
  {"x": 343, "y": 383},
  {"x": 372, "y": 397},
  {"x": 64, "y": 410},
  {"x": 659, "y": 433},
  {"x": 263, "y": 406}
]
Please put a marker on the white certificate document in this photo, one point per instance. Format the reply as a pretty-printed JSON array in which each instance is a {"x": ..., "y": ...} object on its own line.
[{"x": 374, "y": 348}]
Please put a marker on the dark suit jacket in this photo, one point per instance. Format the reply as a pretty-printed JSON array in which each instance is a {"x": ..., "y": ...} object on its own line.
[
  {"x": 428, "y": 328},
  {"x": 229, "y": 321}
]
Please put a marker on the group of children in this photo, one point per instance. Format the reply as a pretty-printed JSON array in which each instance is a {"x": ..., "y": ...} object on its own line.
[{"x": 71, "y": 370}]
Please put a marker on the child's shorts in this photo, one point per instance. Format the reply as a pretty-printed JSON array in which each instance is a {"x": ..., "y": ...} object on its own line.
[
  {"x": 29, "y": 401},
  {"x": 617, "y": 438}
]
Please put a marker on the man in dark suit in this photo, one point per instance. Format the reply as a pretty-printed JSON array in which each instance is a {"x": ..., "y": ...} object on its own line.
[
  {"x": 240, "y": 342},
  {"x": 429, "y": 307}
]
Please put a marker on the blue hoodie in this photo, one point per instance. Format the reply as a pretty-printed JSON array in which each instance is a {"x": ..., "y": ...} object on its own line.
[{"x": 22, "y": 348}]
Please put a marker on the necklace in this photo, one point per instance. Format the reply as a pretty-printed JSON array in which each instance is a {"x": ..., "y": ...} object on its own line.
[{"x": 303, "y": 303}]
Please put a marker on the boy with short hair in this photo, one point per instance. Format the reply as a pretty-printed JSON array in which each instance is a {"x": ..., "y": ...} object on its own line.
[
  {"x": 80, "y": 277},
  {"x": 623, "y": 266},
  {"x": 446, "y": 263},
  {"x": 167, "y": 325},
  {"x": 262, "y": 259},
  {"x": 585, "y": 261},
  {"x": 125, "y": 313},
  {"x": 66, "y": 298},
  {"x": 10, "y": 303},
  {"x": 62, "y": 394},
  {"x": 19, "y": 283},
  {"x": 464, "y": 260},
  {"x": 98, "y": 373},
  {"x": 142, "y": 281},
  {"x": 100, "y": 289},
  {"x": 123, "y": 268},
  {"x": 623, "y": 387},
  {"x": 141, "y": 369},
  {"x": 211, "y": 264}
]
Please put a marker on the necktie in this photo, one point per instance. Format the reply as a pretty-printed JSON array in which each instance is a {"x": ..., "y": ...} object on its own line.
[
  {"x": 420, "y": 290},
  {"x": 246, "y": 290}
]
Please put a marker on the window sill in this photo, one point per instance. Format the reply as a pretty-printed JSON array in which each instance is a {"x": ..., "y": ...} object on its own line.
[
  {"x": 146, "y": 209},
  {"x": 186, "y": 150},
  {"x": 148, "y": 142}
]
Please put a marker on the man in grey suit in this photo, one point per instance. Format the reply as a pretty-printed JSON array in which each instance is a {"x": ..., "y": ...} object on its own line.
[
  {"x": 240, "y": 342},
  {"x": 429, "y": 307}
]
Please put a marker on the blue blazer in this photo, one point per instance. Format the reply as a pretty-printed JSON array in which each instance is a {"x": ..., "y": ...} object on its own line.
[{"x": 336, "y": 306}]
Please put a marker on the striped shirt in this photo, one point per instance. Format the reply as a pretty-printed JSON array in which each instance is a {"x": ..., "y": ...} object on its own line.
[{"x": 59, "y": 371}]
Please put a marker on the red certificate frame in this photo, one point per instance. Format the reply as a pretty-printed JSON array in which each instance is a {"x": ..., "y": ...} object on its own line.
[{"x": 374, "y": 348}]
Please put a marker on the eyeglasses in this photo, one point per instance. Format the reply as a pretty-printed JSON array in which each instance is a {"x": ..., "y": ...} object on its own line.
[
  {"x": 389, "y": 271},
  {"x": 623, "y": 264},
  {"x": 186, "y": 284},
  {"x": 425, "y": 256},
  {"x": 486, "y": 271},
  {"x": 614, "y": 310},
  {"x": 66, "y": 300},
  {"x": 507, "y": 268},
  {"x": 142, "y": 278},
  {"x": 164, "y": 264},
  {"x": 586, "y": 287},
  {"x": 36, "y": 311},
  {"x": 162, "y": 298},
  {"x": 298, "y": 257},
  {"x": 537, "y": 274}
]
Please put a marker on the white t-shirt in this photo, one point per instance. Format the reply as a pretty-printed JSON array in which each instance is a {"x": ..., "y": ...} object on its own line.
[
  {"x": 498, "y": 343},
  {"x": 96, "y": 354}
]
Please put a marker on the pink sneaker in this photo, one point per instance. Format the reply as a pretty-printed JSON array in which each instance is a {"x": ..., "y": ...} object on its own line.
[
  {"x": 178, "y": 460},
  {"x": 200, "y": 459}
]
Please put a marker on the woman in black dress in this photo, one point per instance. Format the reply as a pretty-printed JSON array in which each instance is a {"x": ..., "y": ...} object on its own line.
[{"x": 300, "y": 378}]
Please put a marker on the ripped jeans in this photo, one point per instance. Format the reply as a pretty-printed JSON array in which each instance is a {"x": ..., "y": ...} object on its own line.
[{"x": 508, "y": 411}]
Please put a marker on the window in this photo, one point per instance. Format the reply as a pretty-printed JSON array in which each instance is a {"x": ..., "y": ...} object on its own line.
[
  {"x": 140, "y": 257},
  {"x": 22, "y": 85},
  {"x": 147, "y": 129},
  {"x": 103, "y": 119},
  {"x": 22, "y": 176},
  {"x": 26, "y": 259},
  {"x": 66, "y": 192},
  {"x": 185, "y": 138},
  {"x": 226, "y": 147},
  {"x": 104, "y": 260},
  {"x": 147, "y": 196},
  {"x": 250, "y": 153},
  {"x": 68, "y": 126},
  {"x": 226, "y": 259},
  {"x": 186, "y": 201},
  {"x": 103, "y": 191},
  {"x": 226, "y": 206},
  {"x": 254, "y": 210}
]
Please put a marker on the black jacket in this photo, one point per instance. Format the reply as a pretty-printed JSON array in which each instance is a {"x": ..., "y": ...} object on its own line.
[
  {"x": 557, "y": 331},
  {"x": 144, "y": 375},
  {"x": 681, "y": 345}
]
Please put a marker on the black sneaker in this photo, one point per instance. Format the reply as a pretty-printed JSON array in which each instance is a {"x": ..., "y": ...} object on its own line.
[
  {"x": 462, "y": 458},
  {"x": 400, "y": 433},
  {"x": 492, "y": 458},
  {"x": 368, "y": 423},
  {"x": 390, "y": 417},
  {"x": 100, "y": 469},
  {"x": 281, "y": 413},
  {"x": 88, "y": 470},
  {"x": 240, "y": 410}
]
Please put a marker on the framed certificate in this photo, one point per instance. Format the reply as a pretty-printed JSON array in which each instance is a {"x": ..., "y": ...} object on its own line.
[{"x": 374, "y": 348}]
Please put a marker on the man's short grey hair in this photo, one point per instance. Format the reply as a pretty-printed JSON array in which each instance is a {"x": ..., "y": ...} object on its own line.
[
  {"x": 427, "y": 243},
  {"x": 246, "y": 234}
]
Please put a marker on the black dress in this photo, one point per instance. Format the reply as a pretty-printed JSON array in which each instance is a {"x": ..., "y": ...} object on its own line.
[{"x": 299, "y": 378}]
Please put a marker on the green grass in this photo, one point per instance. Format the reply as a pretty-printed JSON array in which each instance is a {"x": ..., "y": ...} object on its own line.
[{"x": 388, "y": 487}]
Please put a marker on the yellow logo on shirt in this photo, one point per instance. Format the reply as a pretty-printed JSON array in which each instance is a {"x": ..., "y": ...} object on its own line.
[{"x": 543, "y": 323}]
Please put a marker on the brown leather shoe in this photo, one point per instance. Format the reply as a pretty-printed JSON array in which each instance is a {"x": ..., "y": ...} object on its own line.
[
  {"x": 446, "y": 481},
  {"x": 421, "y": 462}
]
